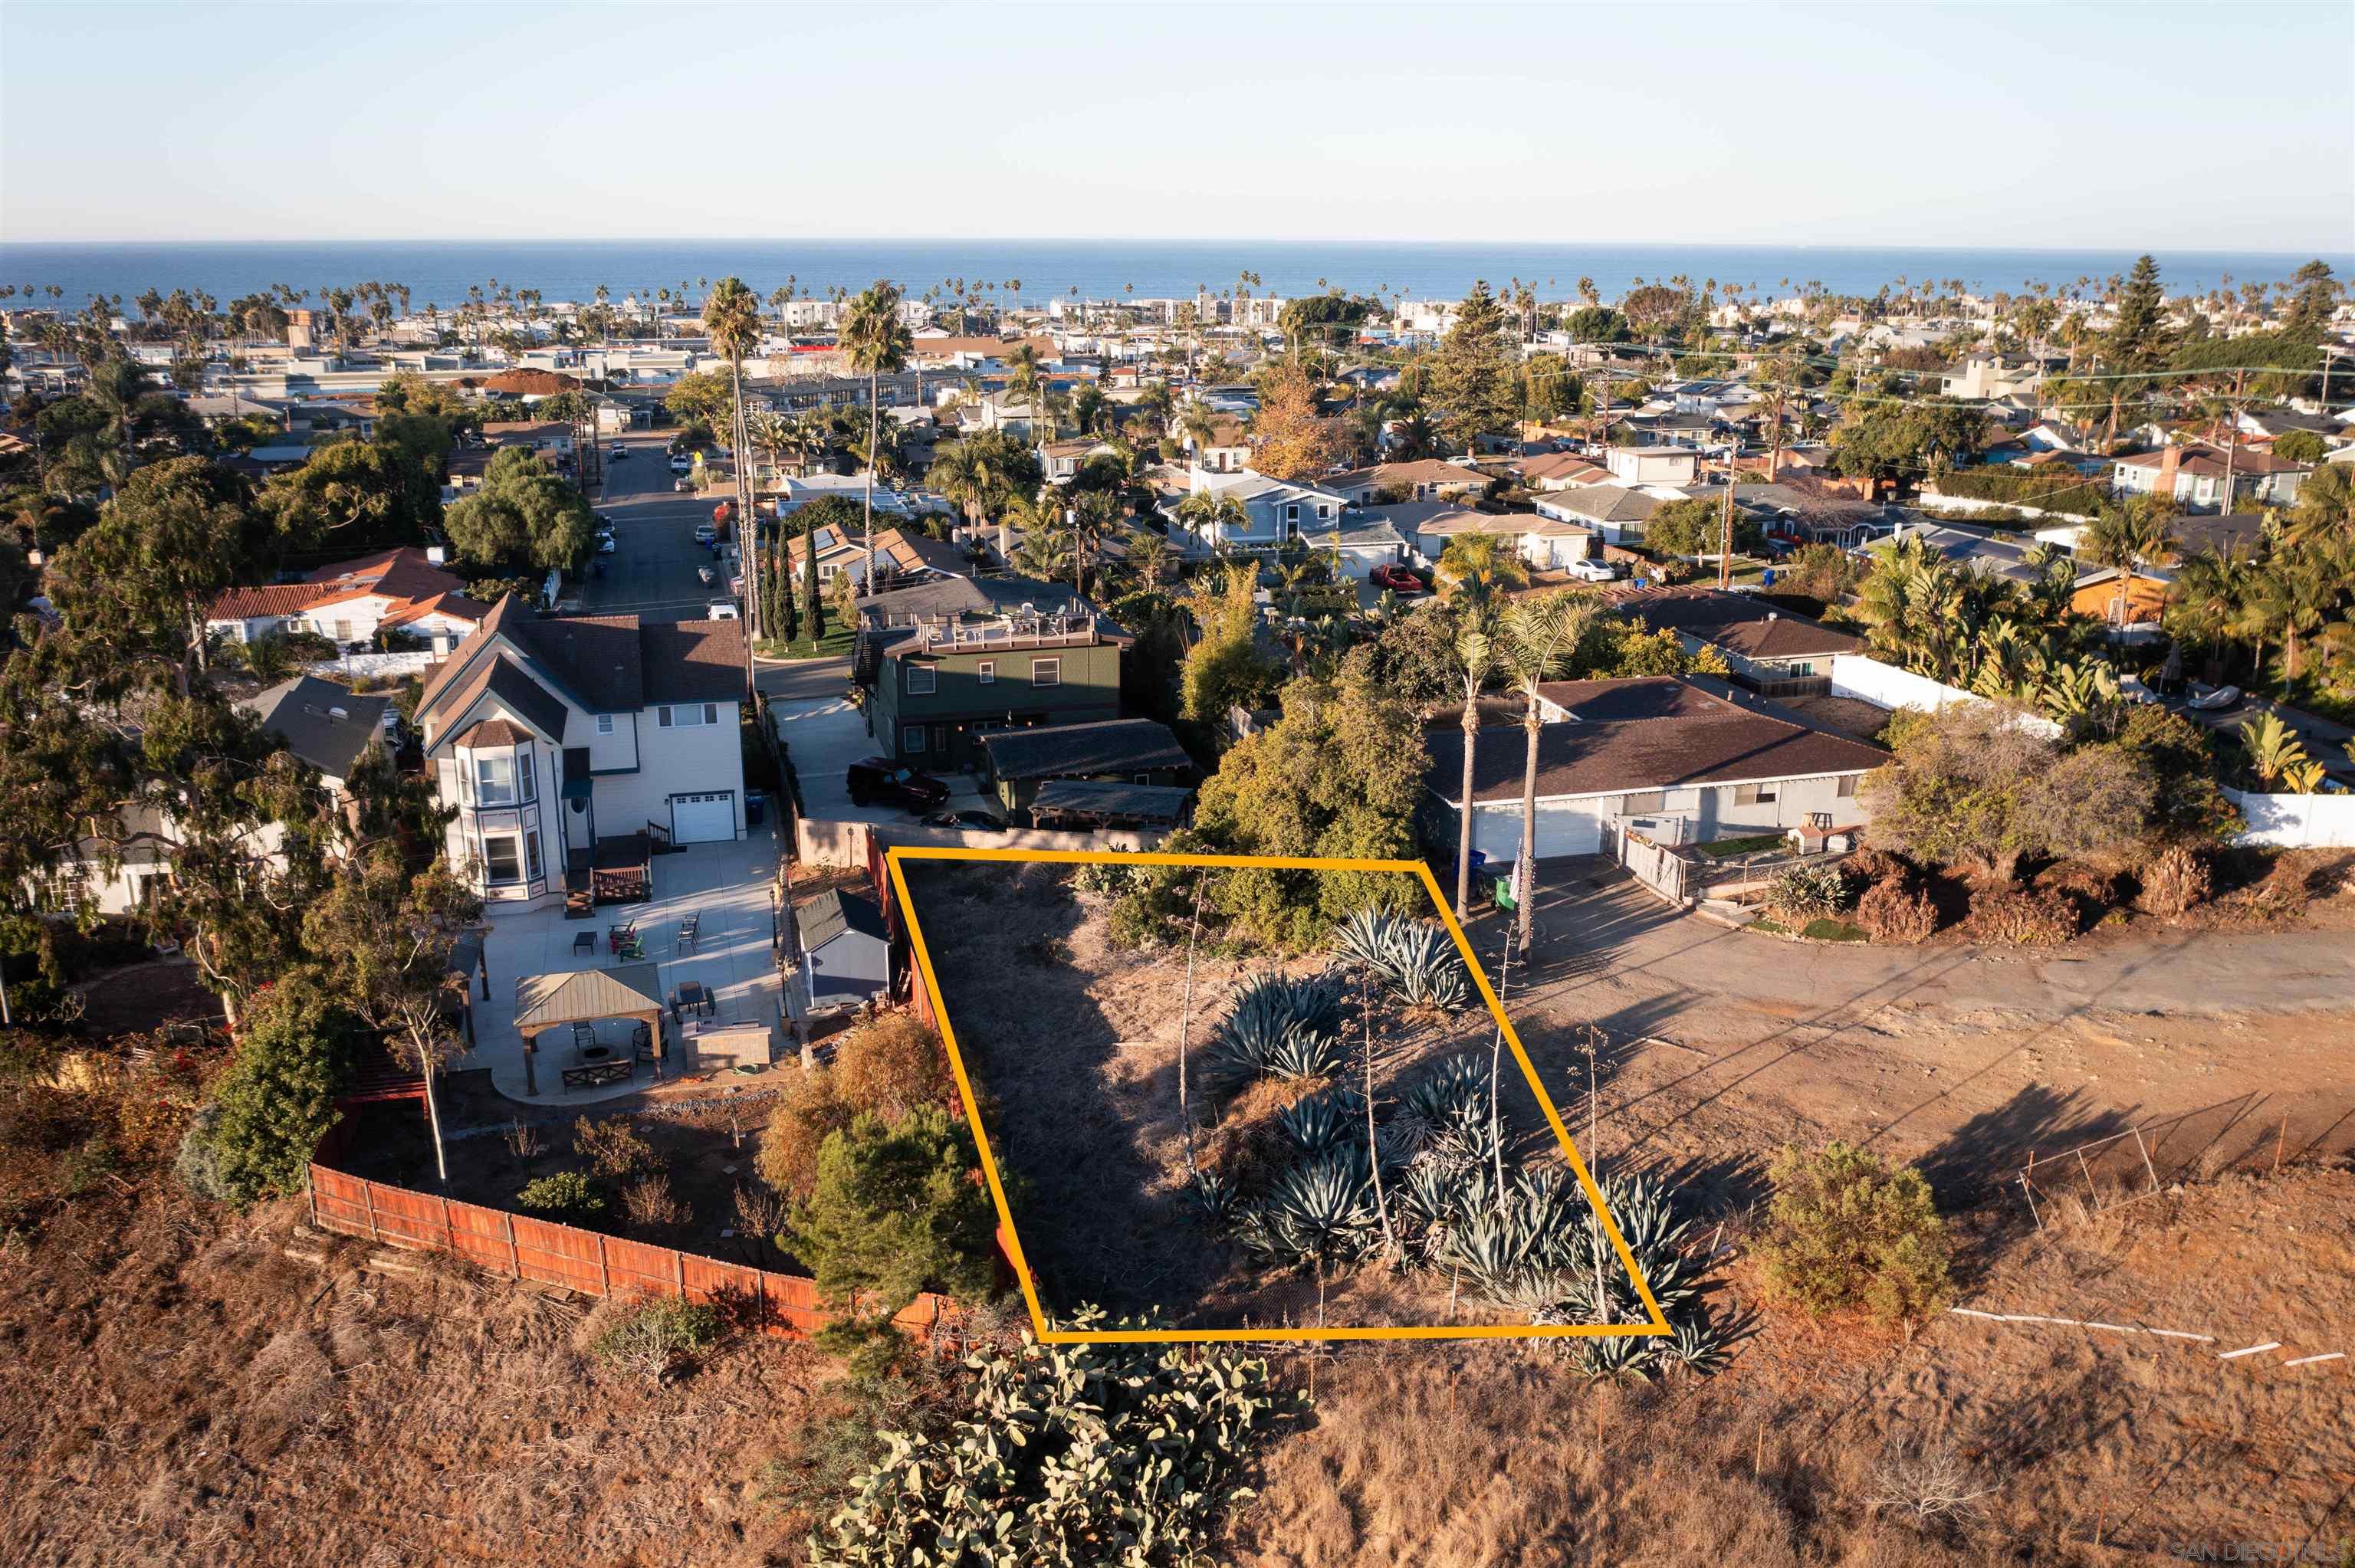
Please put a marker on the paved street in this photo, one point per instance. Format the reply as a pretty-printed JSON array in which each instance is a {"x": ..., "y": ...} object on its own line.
[{"x": 652, "y": 568}]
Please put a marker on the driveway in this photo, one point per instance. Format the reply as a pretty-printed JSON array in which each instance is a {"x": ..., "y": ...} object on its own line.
[{"x": 824, "y": 734}]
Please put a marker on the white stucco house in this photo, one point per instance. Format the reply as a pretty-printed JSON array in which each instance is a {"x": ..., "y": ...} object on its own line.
[
  {"x": 551, "y": 735},
  {"x": 406, "y": 589}
]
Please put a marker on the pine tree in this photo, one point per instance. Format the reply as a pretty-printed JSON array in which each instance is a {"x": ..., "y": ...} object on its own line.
[
  {"x": 2317, "y": 296},
  {"x": 2139, "y": 338},
  {"x": 1472, "y": 382},
  {"x": 777, "y": 589}
]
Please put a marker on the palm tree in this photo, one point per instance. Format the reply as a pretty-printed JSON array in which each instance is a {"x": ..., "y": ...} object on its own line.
[
  {"x": 2137, "y": 535},
  {"x": 731, "y": 315},
  {"x": 1474, "y": 657},
  {"x": 2275, "y": 755},
  {"x": 2209, "y": 598},
  {"x": 1197, "y": 424},
  {"x": 1475, "y": 570},
  {"x": 1538, "y": 632},
  {"x": 877, "y": 341},
  {"x": 1207, "y": 512}
]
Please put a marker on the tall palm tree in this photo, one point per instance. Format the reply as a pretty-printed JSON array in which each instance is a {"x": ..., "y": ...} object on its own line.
[
  {"x": 1474, "y": 657},
  {"x": 2137, "y": 535},
  {"x": 731, "y": 315},
  {"x": 877, "y": 341},
  {"x": 1538, "y": 633}
]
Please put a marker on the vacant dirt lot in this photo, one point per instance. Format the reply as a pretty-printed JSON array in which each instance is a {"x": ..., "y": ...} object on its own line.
[
  {"x": 1074, "y": 1044},
  {"x": 1727, "y": 1043},
  {"x": 2071, "y": 1446}
]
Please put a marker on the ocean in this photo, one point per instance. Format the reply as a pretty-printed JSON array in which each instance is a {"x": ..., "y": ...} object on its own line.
[{"x": 440, "y": 272}]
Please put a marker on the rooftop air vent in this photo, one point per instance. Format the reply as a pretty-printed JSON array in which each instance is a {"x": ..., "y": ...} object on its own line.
[{"x": 338, "y": 713}]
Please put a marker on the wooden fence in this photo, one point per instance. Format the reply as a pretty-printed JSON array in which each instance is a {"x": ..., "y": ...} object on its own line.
[{"x": 518, "y": 1246}]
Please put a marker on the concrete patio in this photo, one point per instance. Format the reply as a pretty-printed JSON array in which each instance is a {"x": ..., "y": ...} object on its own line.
[{"x": 726, "y": 886}]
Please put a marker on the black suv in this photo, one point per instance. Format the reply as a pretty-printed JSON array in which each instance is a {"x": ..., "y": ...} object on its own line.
[{"x": 875, "y": 779}]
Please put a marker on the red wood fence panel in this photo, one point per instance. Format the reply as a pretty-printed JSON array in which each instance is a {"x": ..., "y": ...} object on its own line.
[{"x": 521, "y": 1248}]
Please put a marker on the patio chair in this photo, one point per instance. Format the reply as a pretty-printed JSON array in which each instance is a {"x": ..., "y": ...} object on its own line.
[
  {"x": 616, "y": 935},
  {"x": 584, "y": 1036},
  {"x": 642, "y": 1042},
  {"x": 631, "y": 948},
  {"x": 688, "y": 930}
]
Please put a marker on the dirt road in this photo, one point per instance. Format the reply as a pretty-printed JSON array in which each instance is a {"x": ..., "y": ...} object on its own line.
[{"x": 1722, "y": 1044}]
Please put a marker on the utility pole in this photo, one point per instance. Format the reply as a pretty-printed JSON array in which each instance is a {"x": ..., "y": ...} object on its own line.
[
  {"x": 2232, "y": 440},
  {"x": 1725, "y": 544}
]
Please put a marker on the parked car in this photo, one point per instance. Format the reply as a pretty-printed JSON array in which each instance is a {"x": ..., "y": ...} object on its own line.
[
  {"x": 2216, "y": 699},
  {"x": 971, "y": 821},
  {"x": 605, "y": 546},
  {"x": 875, "y": 778},
  {"x": 706, "y": 532},
  {"x": 2134, "y": 691},
  {"x": 679, "y": 462},
  {"x": 721, "y": 609},
  {"x": 1395, "y": 577},
  {"x": 618, "y": 453},
  {"x": 683, "y": 486},
  {"x": 1593, "y": 571}
]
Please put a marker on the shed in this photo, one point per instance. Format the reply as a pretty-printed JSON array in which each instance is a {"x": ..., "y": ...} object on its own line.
[
  {"x": 1134, "y": 751},
  {"x": 846, "y": 951}
]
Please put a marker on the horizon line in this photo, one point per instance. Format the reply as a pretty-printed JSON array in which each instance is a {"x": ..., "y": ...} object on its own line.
[{"x": 575, "y": 242}]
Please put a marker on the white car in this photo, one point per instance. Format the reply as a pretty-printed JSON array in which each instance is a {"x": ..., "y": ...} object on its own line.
[
  {"x": 720, "y": 609},
  {"x": 1593, "y": 571},
  {"x": 680, "y": 465},
  {"x": 605, "y": 546},
  {"x": 2215, "y": 701},
  {"x": 618, "y": 453}
]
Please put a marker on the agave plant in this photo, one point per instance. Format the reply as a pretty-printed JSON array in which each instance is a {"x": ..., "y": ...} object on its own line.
[
  {"x": 1319, "y": 1211},
  {"x": 1417, "y": 960},
  {"x": 1455, "y": 1090},
  {"x": 1327, "y": 1119},
  {"x": 1286, "y": 1028},
  {"x": 1213, "y": 1197}
]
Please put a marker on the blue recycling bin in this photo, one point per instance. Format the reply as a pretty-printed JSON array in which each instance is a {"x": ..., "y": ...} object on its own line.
[
  {"x": 756, "y": 808},
  {"x": 1766, "y": 579}
]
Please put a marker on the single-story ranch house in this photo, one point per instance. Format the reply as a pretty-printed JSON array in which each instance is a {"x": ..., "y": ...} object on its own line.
[{"x": 1685, "y": 750}]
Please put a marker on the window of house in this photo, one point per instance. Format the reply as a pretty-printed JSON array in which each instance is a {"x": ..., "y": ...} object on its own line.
[
  {"x": 604, "y": 724},
  {"x": 1846, "y": 787},
  {"x": 501, "y": 863},
  {"x": 532, "y": 855},
  {"x": 911, "y": 737},
  {"x": 1753, "y": 794},
  {"x": 1292, "y": 512},
  {"x": 985, "y": 672},
  {"x": 1045, "y": 671},
  {"x": 494, "y": 780},
  {"x": 687, "y": 715},
  {"x": 921, "y": 680},
  {"x": 1634, "y": 805}
]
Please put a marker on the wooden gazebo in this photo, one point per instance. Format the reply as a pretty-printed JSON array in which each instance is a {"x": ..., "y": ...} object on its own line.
[{"x": 586, "y": 996}]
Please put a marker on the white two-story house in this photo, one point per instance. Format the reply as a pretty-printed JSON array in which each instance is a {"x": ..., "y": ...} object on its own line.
[{"x": 550, "y": 735}]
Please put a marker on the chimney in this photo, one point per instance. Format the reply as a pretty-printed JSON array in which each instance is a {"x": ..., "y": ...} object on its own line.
[
  {"x": 2168, "y": 462},
  {"x": 1005, "y": 543}
]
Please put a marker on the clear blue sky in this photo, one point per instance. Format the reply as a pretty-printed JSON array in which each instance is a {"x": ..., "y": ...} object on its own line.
[{"x": 2152, "y": 125}]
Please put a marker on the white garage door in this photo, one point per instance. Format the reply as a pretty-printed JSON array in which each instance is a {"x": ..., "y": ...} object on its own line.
[
  {"x": 700, "y": 819},
  {"x": 1568, "y": 829}
]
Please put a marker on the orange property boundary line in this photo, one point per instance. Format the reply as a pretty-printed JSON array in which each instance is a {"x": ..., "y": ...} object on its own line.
[{"x": 1012, "y": 1239}]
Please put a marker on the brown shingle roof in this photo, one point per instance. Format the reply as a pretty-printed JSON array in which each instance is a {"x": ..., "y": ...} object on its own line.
[
  {"x": 1654, "y": 732},
  {"x": 1735, "y": 621},
  {"x": 694, "y": 661}
]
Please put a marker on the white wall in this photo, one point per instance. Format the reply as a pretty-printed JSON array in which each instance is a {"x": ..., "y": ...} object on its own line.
[
  {"x": 2296, "y": 822},
  {"x": 822, "y": 842},
  {"x": 1887, "y": 686}
]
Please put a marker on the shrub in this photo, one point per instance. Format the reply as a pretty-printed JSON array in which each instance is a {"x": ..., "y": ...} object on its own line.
[
  {"x": 1895, "y": 911},
  {"x": 614, "y": 1148},
  {"x": 2021, "y": 917},
  {"x": 1069, "y": 1453},
  {"x": 890, "y": 1066},
  {"x": 1868, "y": 867},
  {"x": 1845, "y": 1230},
  {"x": 2175, "y": 880},
  {"x": 1804, "y": 892},
  {"x": 567, "y": 1195},
  {"x": 808, "y": 1111},
  {"x": 1108, "y": 877},
  {"x": 649, "y": 1204},
  {"x": 658, "y": 1336}
]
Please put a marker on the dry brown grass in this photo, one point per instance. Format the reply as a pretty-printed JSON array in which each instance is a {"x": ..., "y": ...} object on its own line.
[
  {"x": 1829, "y": 1443},
  {"x": 173, "y": 1389}
]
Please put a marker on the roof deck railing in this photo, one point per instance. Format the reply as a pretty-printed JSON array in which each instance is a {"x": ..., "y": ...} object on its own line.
[{"x": 957, "y": 633}]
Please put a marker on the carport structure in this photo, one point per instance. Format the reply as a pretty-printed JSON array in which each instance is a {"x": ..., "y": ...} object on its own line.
[{"x": 587, "y": 997}]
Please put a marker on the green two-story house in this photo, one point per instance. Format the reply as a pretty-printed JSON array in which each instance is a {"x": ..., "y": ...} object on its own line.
[{"x": 946, "y": 661}]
